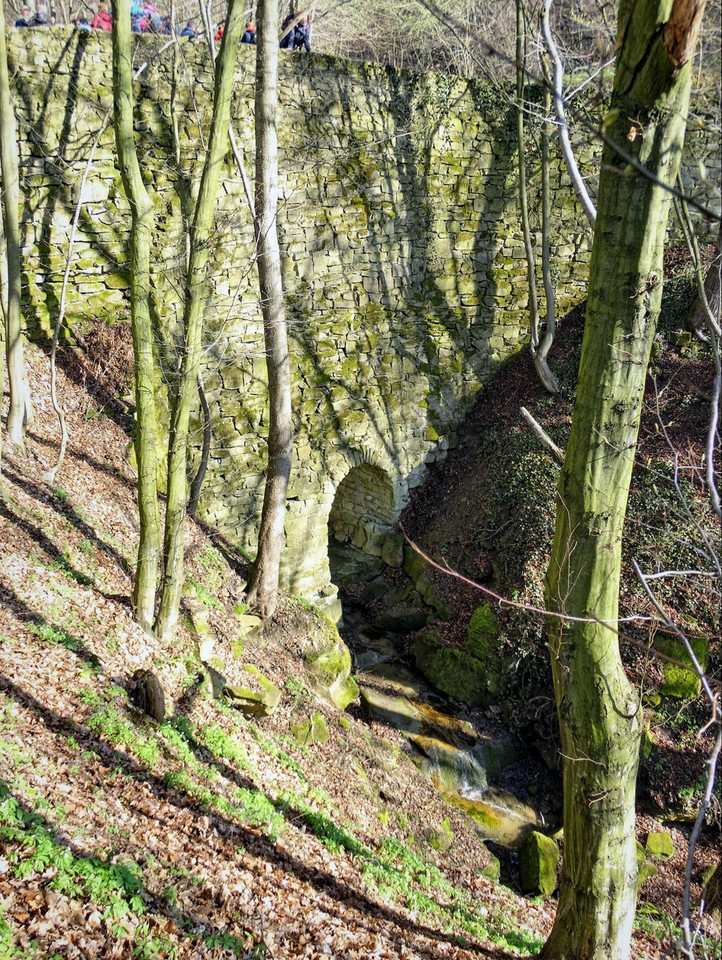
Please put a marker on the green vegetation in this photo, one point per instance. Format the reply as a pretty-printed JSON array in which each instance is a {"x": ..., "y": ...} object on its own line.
[
  {"x": 117, "y": 887},
  {"x": 108, "y": 721}
]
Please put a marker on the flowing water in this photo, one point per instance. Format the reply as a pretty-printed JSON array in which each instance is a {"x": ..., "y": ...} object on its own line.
[{"x": 458, "y": 757}]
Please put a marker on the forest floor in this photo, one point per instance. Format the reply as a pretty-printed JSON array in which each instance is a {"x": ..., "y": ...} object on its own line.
[{"x": 213, "y": 835}]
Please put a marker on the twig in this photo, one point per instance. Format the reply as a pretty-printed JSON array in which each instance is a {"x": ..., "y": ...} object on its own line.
[
  {"x": 542, "y": 436},
  {"x": 711, "y": 764},
  {"x": 671, "y": 625}
]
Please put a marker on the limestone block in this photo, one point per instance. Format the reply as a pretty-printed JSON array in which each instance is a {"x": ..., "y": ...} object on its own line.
[
  {"x": 538, "y": 858},
  {"x": 328, "y": 667},
  {"x": 258, "y": 700},
  {"x": 452, "y": 670},
  {"x": 659, "y": 845}
]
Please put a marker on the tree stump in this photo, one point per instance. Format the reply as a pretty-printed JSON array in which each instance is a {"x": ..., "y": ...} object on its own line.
[{"x": 146, "y": 693}]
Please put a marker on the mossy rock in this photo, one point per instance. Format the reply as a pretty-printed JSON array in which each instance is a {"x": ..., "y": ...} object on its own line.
[
  {"x": 443, "y": 838},
  {"x": 645, "y": 868},
  {"x": 375, "y": 590},
  {"x": 482, "y": 642},
  {"x": 414, "y": 564},
  {"x": 538, "y": 858},
  {"x": 313, "y": 729},
  {"x": 454, "y": 671},
  {"x": 434, "y": 597},
  {"x": 660, "y": 846},
  {"x": 251, "y": 627},
  {"x": 646, "y": 742},
  {"x": 392, "y": 550},
  {"x": 482, "y": 633},
  {"x": 329, "y": 670},
  {"x": 214, "y": 683},
  {"x": 681, "y": 682},
  {"x": 259, "y": 702},
  {"x": 493, "y": 870}
]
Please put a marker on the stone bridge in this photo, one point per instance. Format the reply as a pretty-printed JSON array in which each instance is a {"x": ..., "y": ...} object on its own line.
[{"x": 403, "y": 263}]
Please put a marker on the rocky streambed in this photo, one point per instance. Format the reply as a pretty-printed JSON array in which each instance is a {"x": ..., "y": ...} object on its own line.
[{"x": 477, "y": 766}]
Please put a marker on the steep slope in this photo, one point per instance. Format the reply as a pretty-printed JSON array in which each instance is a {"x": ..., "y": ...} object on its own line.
[
  {"x": 210, "y": 834},
  {"x": 214, "y": 834}
]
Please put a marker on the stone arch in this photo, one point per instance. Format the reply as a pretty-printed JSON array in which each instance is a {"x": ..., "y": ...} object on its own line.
[{"x": 365, "y": 507}]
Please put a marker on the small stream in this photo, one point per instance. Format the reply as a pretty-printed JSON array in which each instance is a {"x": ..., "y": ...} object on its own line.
[{"x": 463, "y": 760}]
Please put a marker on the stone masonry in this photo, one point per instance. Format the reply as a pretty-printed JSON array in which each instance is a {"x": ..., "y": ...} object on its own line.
[{"x": 403, "y": 261}]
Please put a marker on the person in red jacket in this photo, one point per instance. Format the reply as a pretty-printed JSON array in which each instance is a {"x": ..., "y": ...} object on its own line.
[{"x": 102, "y": 19}]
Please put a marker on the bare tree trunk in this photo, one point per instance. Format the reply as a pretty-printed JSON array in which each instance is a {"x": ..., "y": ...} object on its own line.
[
  {"x": 540, "y": 354},
  {"x": 198, "y": 479},
  {"x": 263, "y": 583},
  {"x": 20, "y": 411},
  {"x": 195, "y": 299},
  {"x": 521, "y": 162},
  {"x": 599, "y": 712},
  {"x": 698, "y": 320},
  {"x": 560, "y": 109},
  {"x": 144, "y": 369}
]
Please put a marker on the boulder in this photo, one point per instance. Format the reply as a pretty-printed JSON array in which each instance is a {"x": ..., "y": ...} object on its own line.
[
  {"x": 493, "y": 870},
  {"x": 538, "y": 858},
  {"x": 214, "y": 683},
  {"x": 414, "y": 564},
  {"x": 146, "y": 693},
  {"x": 402, "y": 620},
  {"x": 660, "y": 846},
  {"x": 251, "y": 627},
  {"x": 392, "y": 550},
  {"x": 681, "y": 682},
  {"x": 443, "y": 838},
  {"x": 482, "y": 642},
  {"x": 257, "y": 701},
  {"x": 455, "y": 671},
  {"x": 328, "y": 667},
  {"x": 396, "y": 711},
  {"x": 482, "y": 633},
  {"x": 434, "y": 597},
  {"x": 311, "y": 730}
]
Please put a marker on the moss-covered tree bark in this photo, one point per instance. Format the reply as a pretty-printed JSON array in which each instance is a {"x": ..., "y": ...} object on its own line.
[
  {"x": 19, "y": 410},
  {"x": 263, "y": 582},
  {"x": 195, "y": 300},
  {"x": 599, "y": 712},
  {"x": 141, "y": 211}
]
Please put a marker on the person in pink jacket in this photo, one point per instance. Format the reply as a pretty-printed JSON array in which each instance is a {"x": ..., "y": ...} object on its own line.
[{"x": 102, "y": 19}]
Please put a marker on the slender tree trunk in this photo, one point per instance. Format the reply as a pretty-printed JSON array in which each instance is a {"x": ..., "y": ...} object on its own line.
[
  {"x": 541, "y": 353},
  {"x": 521, "y": 163},
  {"x": 263, "y": 583},
  {"x": 197, "y": 484},
  {"x": 599, "y": 713},
  {"x": 141, "y": 208},
  {"x": 20, "y": 410},
  {"x": 195, "y": 299},
  {"x": 560, "y": 110}
]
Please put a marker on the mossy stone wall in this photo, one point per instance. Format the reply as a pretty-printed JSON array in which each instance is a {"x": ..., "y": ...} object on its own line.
[{"x": 403, "y": 261}]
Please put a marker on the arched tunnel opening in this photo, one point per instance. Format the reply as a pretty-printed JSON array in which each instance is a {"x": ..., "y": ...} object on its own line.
[{"x": 360, "y": 524}]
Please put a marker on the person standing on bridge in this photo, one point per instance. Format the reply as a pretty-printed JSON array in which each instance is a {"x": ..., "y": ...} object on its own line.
[
  {"x": 40, "y": 18},
  {"x": 102, "y": 19},
  {"x": 302, "y": 35}
]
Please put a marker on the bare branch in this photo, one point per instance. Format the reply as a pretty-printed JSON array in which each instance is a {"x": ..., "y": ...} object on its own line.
[
  {"x": 672, "y": 626},
  {"x": 560, "y": 110},
  {"x": 542, "y": 436}
]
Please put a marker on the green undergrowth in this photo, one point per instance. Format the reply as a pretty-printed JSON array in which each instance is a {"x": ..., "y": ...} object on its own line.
[
  {"x": 210, "y": 766},
  {"x": 117, "y": 888}
]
